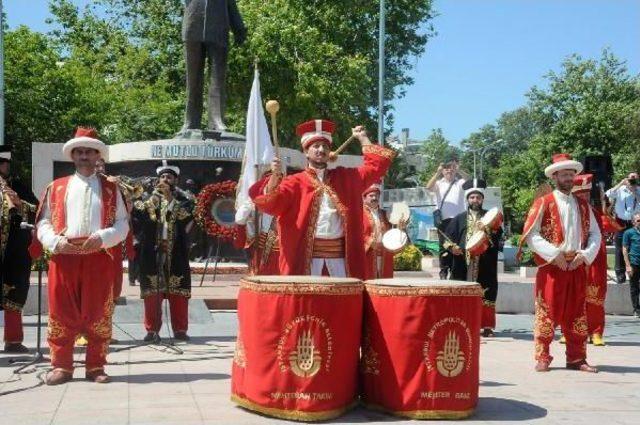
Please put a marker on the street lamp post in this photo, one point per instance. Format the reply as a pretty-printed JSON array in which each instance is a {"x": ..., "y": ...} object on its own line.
[
  {"x": 483, "y": 150},
  {"x": 381, "y": 69},
  {"x": 1, "y": 74}
]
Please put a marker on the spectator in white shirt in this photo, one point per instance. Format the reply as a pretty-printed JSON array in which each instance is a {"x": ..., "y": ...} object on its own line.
[
  {"x": 625, "y": 196},
  {"x": 447, "y": 183}
]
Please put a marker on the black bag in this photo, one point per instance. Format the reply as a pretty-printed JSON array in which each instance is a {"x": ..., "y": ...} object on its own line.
[
  {"x": 437, "y": 214},
  {"x": 437, "y": 218}
]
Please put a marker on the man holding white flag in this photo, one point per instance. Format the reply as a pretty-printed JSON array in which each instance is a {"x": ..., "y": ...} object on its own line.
[{"x": 258, "y": 155}]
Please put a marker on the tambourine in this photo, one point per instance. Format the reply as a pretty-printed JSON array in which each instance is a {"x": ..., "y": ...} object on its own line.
[
  {"x": 394, "y": 240},
  {"x": 493, "y": 219}
]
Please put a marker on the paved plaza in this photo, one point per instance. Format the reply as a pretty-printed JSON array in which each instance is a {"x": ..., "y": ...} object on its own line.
[{"x": 154, "y": 386}]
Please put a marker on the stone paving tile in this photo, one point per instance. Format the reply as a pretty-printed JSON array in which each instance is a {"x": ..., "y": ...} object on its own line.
[
  {"x": 156, "y": 387},
  {"x": 90, "y": 415},
  {"x": 187, "y": 415},
  {"x": 31, "y": 419}
]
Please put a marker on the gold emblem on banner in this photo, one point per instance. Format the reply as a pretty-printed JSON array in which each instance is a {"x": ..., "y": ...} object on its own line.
[
  {"x": 305, "y": 361},
  {"x": 305, "y": 346},
  {"x": 455, "y": 355},
  {"x": 450, "y": 360}
]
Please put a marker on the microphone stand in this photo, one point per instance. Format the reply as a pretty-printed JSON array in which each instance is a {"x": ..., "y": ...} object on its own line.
[
  {"x": 38, "y": 356},
  {"x": 161, "y": 258}
]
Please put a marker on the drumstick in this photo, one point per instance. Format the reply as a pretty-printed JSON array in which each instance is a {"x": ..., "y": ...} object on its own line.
[
  {"x": 448, "y": 239},
  {"x": 333, "y": 156},
  {"x": 273, "y": 107}
]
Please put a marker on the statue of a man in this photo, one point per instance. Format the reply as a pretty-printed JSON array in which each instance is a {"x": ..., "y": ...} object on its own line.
[{"x": 205, "y": 33}]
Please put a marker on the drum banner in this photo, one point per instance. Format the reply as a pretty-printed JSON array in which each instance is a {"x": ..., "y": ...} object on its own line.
[
  {"x": 420, "y": 350},
  {"x": 297, "y": 349}
]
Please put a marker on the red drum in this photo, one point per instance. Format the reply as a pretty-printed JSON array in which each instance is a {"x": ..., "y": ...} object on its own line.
[
  {"x": 420, "y": 347},
  {"x": 492, "y": 219},
  {"x": 478, "y": 243},
  {"x": 298, "y": 346}
]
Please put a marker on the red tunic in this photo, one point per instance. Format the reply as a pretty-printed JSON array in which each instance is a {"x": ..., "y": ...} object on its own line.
[
  {"x": 559, "y": 294},
  {"x": 597, "y": 284},
  {"x": 296, "y": 203},
  {"x": 80, "y": 286},
  {"x": 373, "y": 249}
]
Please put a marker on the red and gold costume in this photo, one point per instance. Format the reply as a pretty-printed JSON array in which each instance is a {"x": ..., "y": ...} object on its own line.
[
  {"x": 379, "y": 261},
  {"x": 597, "y": 287},
  {"x": 81, "y": 285},
  {"x": 297, "y": 203},
  {"x": 561, "y": 224},
  {"x": 597, "y": 271}
]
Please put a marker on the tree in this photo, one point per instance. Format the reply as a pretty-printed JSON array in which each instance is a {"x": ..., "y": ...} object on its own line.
[
  {"x": 589, "y": 107},
  {"x": 118, "y": 65},
  {"x": 435, "y": 149},
  {"x": 318, "y": 58},
  {"x": 38, "y": 95}
]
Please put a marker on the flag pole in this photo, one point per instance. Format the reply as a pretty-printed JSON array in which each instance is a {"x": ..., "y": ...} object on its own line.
[{"x": 256, "y": 167}]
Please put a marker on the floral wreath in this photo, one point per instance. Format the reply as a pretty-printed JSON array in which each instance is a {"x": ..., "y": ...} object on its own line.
[{"x": 205, "y": 199}]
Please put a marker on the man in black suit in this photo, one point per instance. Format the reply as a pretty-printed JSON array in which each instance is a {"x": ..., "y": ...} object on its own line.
[
  {"x": 17, "y": 205},
  {"x": 482, "y": 268},
  {"x": 205, "y": 33}
]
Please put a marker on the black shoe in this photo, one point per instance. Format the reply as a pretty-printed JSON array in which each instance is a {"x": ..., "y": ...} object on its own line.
[
  {"x": 15, "y": 348},
  {"x": 151, "y": 337},
  {"x": 488, "y": 333},
  {"x": 444, "y": 274},
  {"x": 181, "y": 336},
  {"x": 621, "y": 278}
]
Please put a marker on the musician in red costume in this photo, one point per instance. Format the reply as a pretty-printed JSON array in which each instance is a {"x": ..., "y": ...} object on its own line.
[
  {"x": 597, "y": 272},
  {"x": 82, "y": 217},
  {"x": 264, "y": 256},
  {"x": 563, "y": 234},
  {"x": 379, "y": 259},
  {"x": 319, "y": 210}
]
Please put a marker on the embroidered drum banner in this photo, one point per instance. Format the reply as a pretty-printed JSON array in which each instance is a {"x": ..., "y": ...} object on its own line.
[
  {"x": 298, "y": 346},
  {"x": 420, "y": 347}
]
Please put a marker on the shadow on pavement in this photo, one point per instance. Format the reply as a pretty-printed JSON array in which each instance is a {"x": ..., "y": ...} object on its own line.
[
  {"x": 623, "y": 344},
  {"x": 618, "y": 369},
  {"x": 503, "y": 409},
  {"x": 495, "y": 384},
  {"x": 489, "y": 408},
  {"x": 152, "y": 378},
  {"x": 174, "y": 359}
]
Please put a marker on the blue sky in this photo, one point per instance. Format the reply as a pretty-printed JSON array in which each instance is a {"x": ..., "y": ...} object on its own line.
[{"x": 486, "y": 56}]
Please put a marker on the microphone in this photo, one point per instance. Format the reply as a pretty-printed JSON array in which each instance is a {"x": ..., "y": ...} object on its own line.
[{"x": 24, "y": 226}]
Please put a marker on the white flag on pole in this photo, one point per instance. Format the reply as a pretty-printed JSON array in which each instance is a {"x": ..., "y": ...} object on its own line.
[{"x": 258, "y": 152}]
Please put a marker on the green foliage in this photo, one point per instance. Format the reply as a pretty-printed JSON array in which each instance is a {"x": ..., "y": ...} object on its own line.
[
  {"x": 435, "y": 149},
  {"x": 589, "y": 107},
  {"x": 118, "y": 65},
  {"x": 526, "y": 258},
  {"x": 400, "y": 174},
  {"x": 38, "y": 96},
  {"x": 409, "y": 259}
]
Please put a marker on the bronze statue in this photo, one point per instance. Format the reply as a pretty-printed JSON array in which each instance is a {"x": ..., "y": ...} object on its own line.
[{"x": 205, "y": 33}]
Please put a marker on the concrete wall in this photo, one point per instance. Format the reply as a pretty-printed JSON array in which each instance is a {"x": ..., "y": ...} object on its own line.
[
  {"x": 45, "y": 154},
  {"x": 515, "y": 297}
]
